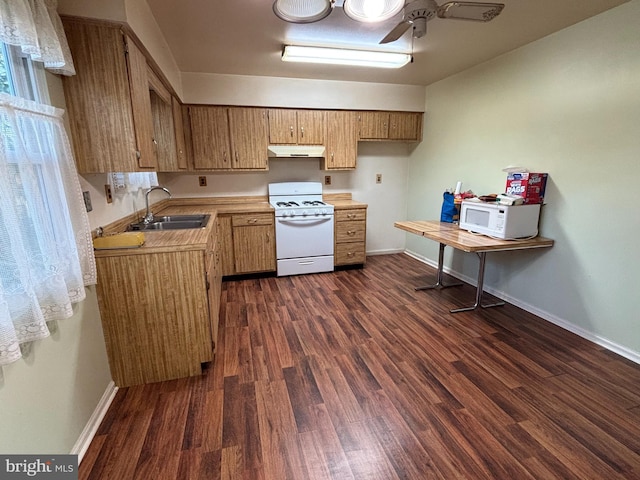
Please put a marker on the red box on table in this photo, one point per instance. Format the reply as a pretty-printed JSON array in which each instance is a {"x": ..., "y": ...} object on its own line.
[{"x": 530, "y": 186}]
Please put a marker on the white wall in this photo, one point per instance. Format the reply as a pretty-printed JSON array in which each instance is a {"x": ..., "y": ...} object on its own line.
[
  {"x": 219, "y": 89},
  {"x": 567, "y": 105},
  {"x": 142, "y": 22},
  {"x": 48, "y": 396},
  {"x": 386, "y": 201},
  {"x": 137, "y": 14}
]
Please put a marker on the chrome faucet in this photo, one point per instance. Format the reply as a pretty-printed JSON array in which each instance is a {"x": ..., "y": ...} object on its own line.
[{"x": 148, "y": 218}]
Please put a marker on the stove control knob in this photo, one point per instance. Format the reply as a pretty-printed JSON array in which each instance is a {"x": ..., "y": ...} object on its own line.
[
  {"x": 304, "y": 213},
  {"x": 317, "y": 212},
  {"x": 324, "y": 211}
]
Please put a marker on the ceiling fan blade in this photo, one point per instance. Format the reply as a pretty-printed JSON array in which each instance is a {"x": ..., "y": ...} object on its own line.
[
  {"x": 397, "y": 32},
  {"x": 475, "y": 11}
]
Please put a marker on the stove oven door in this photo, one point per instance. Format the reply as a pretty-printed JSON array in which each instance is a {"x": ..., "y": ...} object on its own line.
[{"x": 304, "y": 244}]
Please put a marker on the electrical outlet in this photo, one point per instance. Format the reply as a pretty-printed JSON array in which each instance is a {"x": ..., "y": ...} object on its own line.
[
  {"x": 87, "y": 201},
  {"x": 378, "y": 178},
  {"x": 202, "y": 181},
  {"x": 107, "y": 193},
  {"x": 327, "y": 179}
]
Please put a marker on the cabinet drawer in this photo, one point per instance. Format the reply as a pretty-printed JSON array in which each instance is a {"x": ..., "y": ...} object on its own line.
[
  {"x": 252, "y": 219},
  {"x": 349, "y": 253},
  {"x": 350, "y": 215},
  {"x": 350, "y": 232}
]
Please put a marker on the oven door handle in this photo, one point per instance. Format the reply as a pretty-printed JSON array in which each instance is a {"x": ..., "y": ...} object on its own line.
[{"x": 306, "y": 221}]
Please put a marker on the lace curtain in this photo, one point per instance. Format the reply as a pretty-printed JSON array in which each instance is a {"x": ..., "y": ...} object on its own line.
[
  {"x": 131, "y": 182},
  {"x": 35, "y": 26},
  {"x": 46, "y": 251}
]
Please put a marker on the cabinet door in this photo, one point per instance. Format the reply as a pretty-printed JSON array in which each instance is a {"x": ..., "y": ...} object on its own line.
[
  {"x": 283, "y": 126},
  {"x": 210, "y": 138},
  {"x": 254, "y": 248},
  {"x": 342, "y": 140},
  {"x": 178, "y": 125},
  {"x": 225, "y": 240},
  {"x": 99, "y": 101},
  {"x": 212, "y": 259},
  {"x": 164, "y": 137},
  {"x": 374, "y": 125},
  {"x": 311, "y": 127},
  {"x": 405, "y": 126},
  {"x": 141, "y": 107},
  {"x": 249, "y": 133}
]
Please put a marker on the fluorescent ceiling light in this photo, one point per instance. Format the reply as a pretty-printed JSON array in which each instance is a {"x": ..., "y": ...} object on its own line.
[
  {"x": 372, "y": 10},
  {"x": 339, "y": 56}
]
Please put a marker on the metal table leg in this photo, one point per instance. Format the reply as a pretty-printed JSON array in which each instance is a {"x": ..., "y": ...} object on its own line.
[
  {"x": 479, "y": 289},
  {"x": 439, "y": 283}
]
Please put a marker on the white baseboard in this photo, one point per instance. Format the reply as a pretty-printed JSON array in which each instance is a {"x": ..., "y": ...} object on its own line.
[
  {"x": 90, "y": 429},
  {"x": 549, "y": 317},
  {"x": 385, "y": 252}
]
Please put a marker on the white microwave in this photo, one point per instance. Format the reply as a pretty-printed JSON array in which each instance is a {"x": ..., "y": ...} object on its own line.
[{"x": 500, "y": 221}]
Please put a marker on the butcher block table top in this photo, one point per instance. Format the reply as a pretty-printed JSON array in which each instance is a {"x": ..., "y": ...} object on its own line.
[{"x": 450, "y": 234}]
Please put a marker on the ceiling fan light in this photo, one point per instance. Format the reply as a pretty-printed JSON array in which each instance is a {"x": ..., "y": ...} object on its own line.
[
  {"x": 341, "y": 56},
  {"x": 302, "y": 11},
  {"x": 369, "y": 11}
]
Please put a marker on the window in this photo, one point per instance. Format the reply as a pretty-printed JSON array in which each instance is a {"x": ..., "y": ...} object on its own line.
[
  {"x": 20, "y": 76},
  {"x": 46, "y": 254}
]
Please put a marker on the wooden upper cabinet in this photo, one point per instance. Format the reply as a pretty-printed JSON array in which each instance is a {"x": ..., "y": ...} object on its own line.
[
  {"x": 210, "y": 137},
  {"x": 404, "y": 126},
  {"x": 108, "y": 100},
  {"x": 99, "y": 100},
  {"x": 225, "y": 138},
  {"x": 178, "y": 125},
  {"x": 249, "y": 134},
  {"x": 342, "y": 141},
  {"x": 140, "y": 105},
  {"x": 296, "y": 127},
  {"x": 165, "y": 139},
  {"x": 374, "y": 125}
]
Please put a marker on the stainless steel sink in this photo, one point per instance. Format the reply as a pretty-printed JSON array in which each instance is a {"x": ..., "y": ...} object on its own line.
[
  {"x": 172, "y": 222},
  {"x": 182, "y": 218}
]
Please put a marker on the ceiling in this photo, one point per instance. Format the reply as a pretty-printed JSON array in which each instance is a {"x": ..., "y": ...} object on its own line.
[{"x": 244, "y": 37}]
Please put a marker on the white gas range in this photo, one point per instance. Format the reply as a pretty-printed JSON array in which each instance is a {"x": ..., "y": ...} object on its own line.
[{"x": 304, "y": 228}]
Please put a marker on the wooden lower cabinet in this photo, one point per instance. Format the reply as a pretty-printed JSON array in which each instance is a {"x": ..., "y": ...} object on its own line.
[
  {"x": 350, "y": 236},
  {"x": 247, "y": 243},
  {"x": 159, "y": 313}
]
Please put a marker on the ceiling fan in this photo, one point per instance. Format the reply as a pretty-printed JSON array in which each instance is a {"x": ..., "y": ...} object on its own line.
[{"x": 417, "y": 13}]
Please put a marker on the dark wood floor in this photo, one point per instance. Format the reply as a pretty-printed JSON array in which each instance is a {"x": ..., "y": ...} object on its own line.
[{"x": 353, "y": 374}]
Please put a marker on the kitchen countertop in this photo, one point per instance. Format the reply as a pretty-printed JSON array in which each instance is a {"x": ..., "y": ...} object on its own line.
[{"x": 197, "y": 238}]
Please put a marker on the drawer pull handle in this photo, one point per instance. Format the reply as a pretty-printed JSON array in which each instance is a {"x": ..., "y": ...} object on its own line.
[
  {"x": 252, "y": 220},
  {"x": 350, "y": 254},
  {"x": 351, "y": 232},
  {"x": 351, "y": 215}
]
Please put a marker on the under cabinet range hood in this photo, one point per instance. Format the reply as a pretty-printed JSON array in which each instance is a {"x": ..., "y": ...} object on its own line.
[{"x": 306, "y": 151}]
